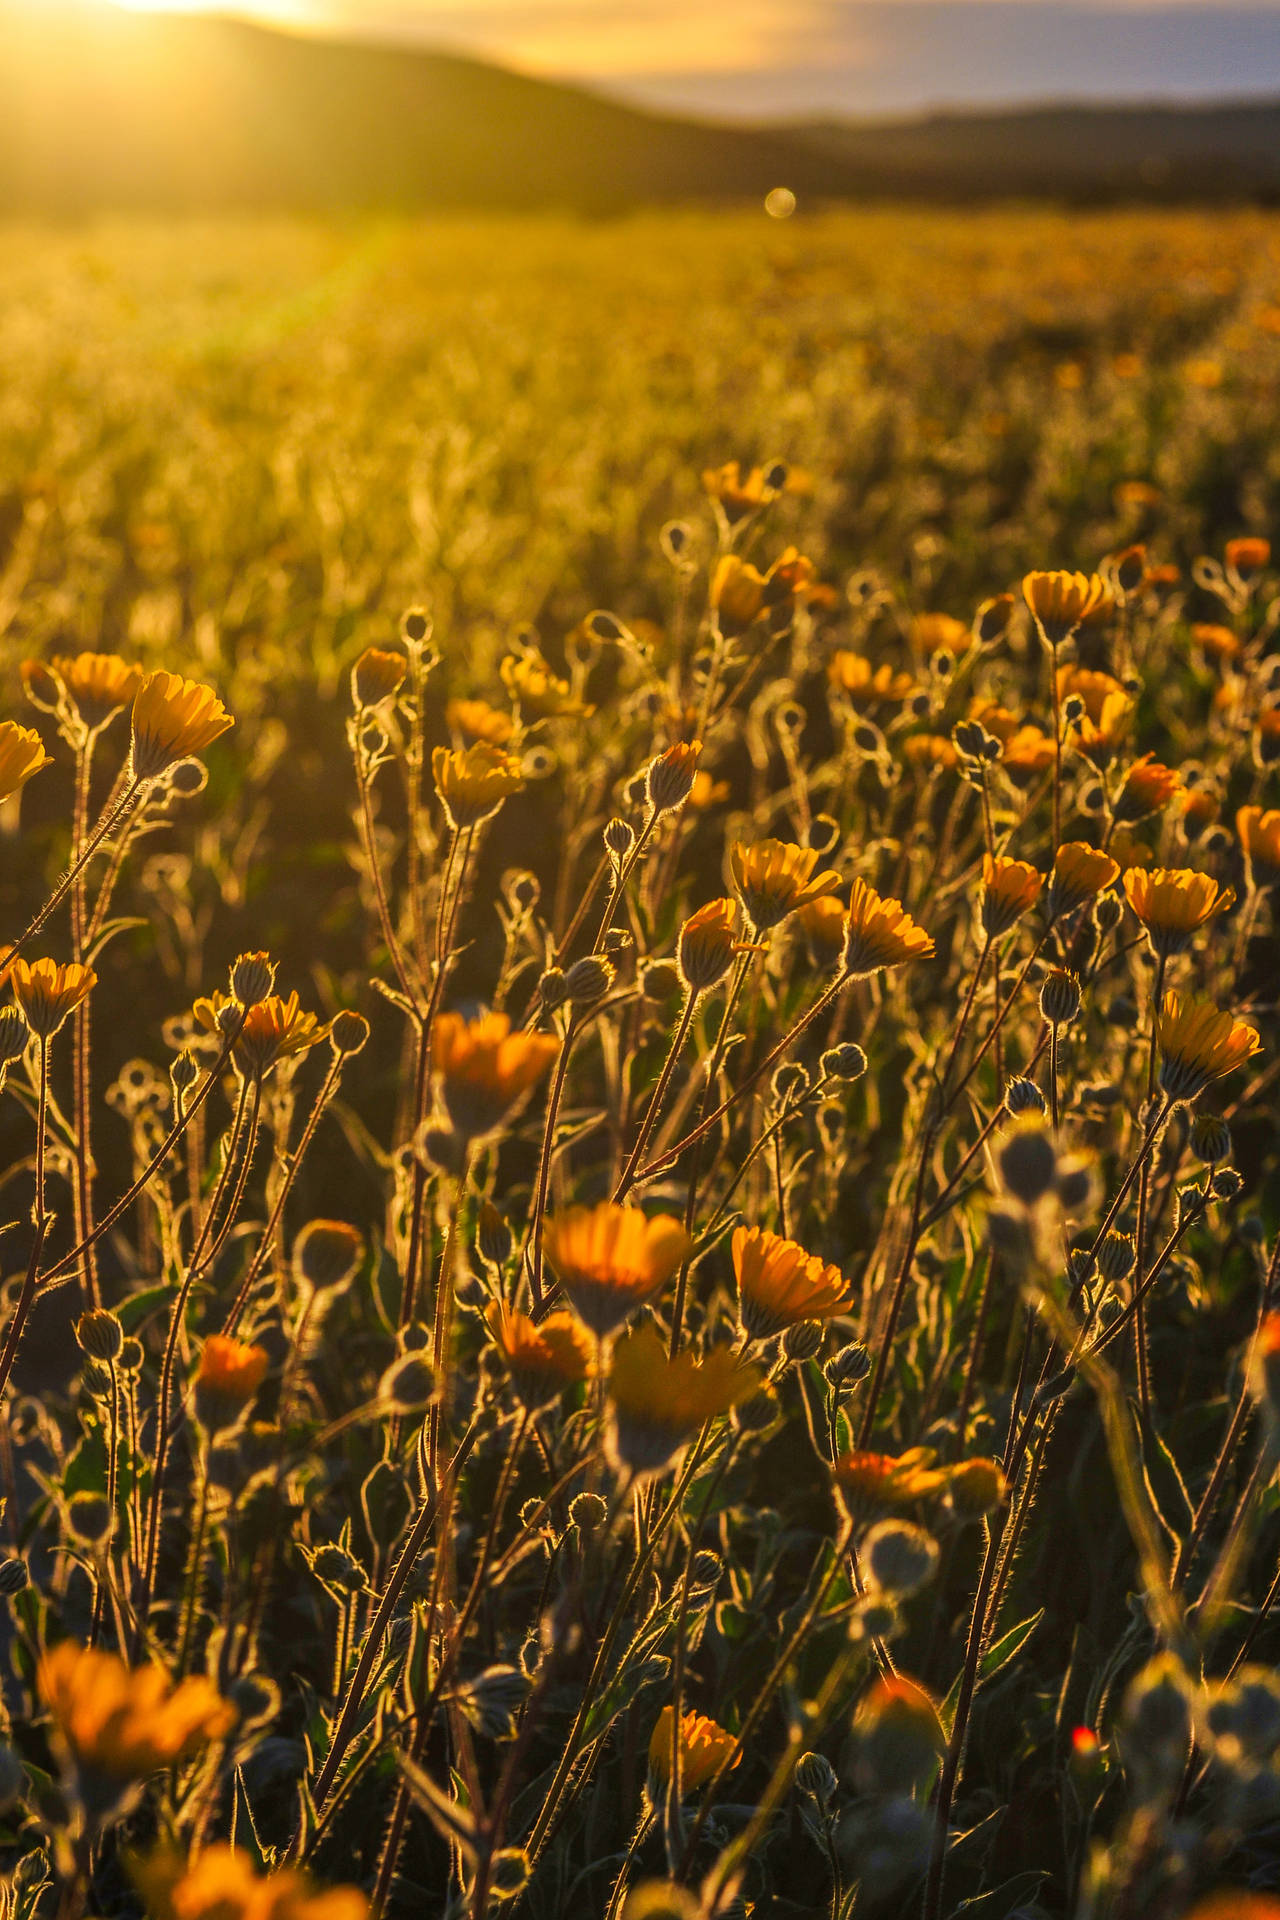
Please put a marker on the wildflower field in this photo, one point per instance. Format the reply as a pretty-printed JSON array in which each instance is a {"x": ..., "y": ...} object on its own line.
[{"x": 638, "y": 1134}]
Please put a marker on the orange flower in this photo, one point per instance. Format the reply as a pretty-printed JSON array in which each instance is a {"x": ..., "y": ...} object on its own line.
[
  {"x": 1219, "y": 642},
  {"x": 1079, "y": 874},
  {"x": 1199, "y": 1042},
  {"x": 1010, "y": 888},
  {"x": 737, "y": 594},
  {"x": 932, "y": 751},
  {"x": 542, "y": 1359},
  {"x": 774, "y": 878},
  {"x": 864, "y": 685},
  {"x": 707, "y": 944},
  {"x": 475, "y": 720},
  {"x": 484, "y": 1068},
  {"x": 1060, "y": 602},
  {"x": 935, "y": 632},
  {"x": 1107, "y": 711},
  {"x": 610, "y": 1260},
  {"x": 273, "y": 1029},
  {"x": 779, "y": 1283},
  {"x": 870, "y": 1480},
  {"x": 221, "y": 1883},
  {"x": 125, "y": 1723},
  {"x": 228, "y": 1377},
  {"x": 173, "y": 718},
  {"x": 735, "y": 494},
  {"x": 1259, "y": 831},
  {"x": 880, "y": 933},
  {"x": 1148, "y": 787},
  {"x": 22, "y": 754},
  {"x": 823, "y": 923},
  {"x": 1246, "y": 558},
  {"x": 540, "y": 693},
  {"x": 659, "y": 1405},
  {"x": 707, "y": 792},
  {"x": 98, "y": 685},
  {"x": 47, "y": 992},
  {"x": 474, "y": 782},
  {"x": 1172, "y": 903},
  {"x": 704, "y": 1745}
]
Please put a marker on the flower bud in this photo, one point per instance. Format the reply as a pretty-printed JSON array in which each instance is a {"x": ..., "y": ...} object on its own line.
[
  {"x": 326, "y": 1254},
  {"x": 660, "y": 980},
  {"x": 802, "y": 1339},
  {"x": 253, "y": 978},
  {"x": 494, "y": 1240},
  {"x": 408, "y": 1385},
  {"x": 846, "y": 1368},
  {"x": 14, "y": 1578},
  {"x": 898, "y": 1556},
  {"x": 1210, "y": 1139},
  {"x": 588, "y": 980},
  {"x": 845, "y": 1062},
  {"x": 14, "y": 1034},
  {"x": 898, "y": 1737},
  {"x": 587, "y": 1512},
  {"x": 552, "y": 990},
  {"x": 100, "y": 1335},
  {"x": 183, "y": 1074},
  {"x": 789, "y": 1081},
  {"x": 669, "y": 780},
  {"x": 1116, "y": 1255},
  {"x": 1157, "y": 1719},
  {"x": 1226, "y": 1184},
  {"x": 1060, "y": 998},
  {"x": 1024, "y": 1096},
  {"x": 816, "y": 1776},
  {"x": 1108, "y": 910},
  {"x": 976, "y": 1487},
  {"x": 348, "y": 1032},
  {"x": 619, "y": 838},
  {"x": 1028, "y": 1163}
]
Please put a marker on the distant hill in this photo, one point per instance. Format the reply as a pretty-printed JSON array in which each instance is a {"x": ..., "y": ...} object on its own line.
[{"x": 107, "y": 110}]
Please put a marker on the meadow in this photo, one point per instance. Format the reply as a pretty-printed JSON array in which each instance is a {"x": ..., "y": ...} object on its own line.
[{"x": 638, "y": 1068}]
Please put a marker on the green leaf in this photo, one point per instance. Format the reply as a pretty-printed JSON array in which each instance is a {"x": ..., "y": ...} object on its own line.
[{"x": 997, "y": 1656}]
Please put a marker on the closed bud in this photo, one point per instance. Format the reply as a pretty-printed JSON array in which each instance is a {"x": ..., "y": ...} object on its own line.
[
  {"x": 552, "y": 990},
  {"x": 14, "y": 1034},
  {"x": 976, "y": 1487},
  {"x": 1158, "y": 1720},
  {"x": 89, "y": 1518},
  {"x": 845, "y": 1062},
  {"x": 588, "y": 1512},
  {"x": 753, "y": 1415},
  {"x": 1210, "y": 1139},
  {"x": 898, "y": 1737},
  {"x": 660, "y": 980},
  {"x": 14, "y": 1578},
  {"x": 184, "y": 1073},
  {"x": 588, "y": 980},
  {"x": 494, "y": 1240},
  {"x": 802, "y": 1339},
  {"x": 816, "y": 1776},
  {"x": 790, "y": 1081},
  {"x": 617, "y": 942},
  {"x": 619, "y": 838},
  {"x": 705, "y": 1569},
  {"x": 253, "y": 977},
  {"x": 1024, "y": 1096},
  {"x": 1076, "y": 1183},
  {"x": 100, "y": 1335},
  {"x": 1226, "y": 1184},
  {"x": 523, "y": 890},
  {"x": 1060, "y": 998},
  {"x": 440, "y": 1147},
  {"x": 1116, "y": 1255},
  {"x": 408, "y": 1385},
  {"x": 348, "y": 1032},
  {"x": 326, "y": 1254},
  {"x": 669, "y": 781},
  {"x": 991, "y": 621},
  {"x": 846, "y": 1368},
  {"x": 509, "y": 1872},
  {"x": 1108, "y": 909},
  {"x": 1027, "y": 1161},
  {"x": 899, "y": 1557}
]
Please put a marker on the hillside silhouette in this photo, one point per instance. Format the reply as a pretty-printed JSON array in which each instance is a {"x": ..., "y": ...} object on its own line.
[{"x": 108, "y": 110}]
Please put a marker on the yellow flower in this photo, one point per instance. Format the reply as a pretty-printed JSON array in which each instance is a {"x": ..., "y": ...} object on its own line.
[
  {"x": 1127, "y": 851},
  {"x": 98, "y": 685},
  {"x": 540, "y": 693},
  {"x": 477, "y": 720},
  {"x": 779, "y": 1283},
  {"x": 1259, "y": 831},
  {"x": 1107, "y": 711},
  {"x": 1199, "y": 1042},
  {"x": 1081, "y": 872},
  {"x": 737, "y": 594},
  {"x": 1060, "y": 602},
  {"x": 929, "y": 750},
  {"x": 21, "y": 755},
  {"x": 220, "y": 1883},
  {"x": 934, "y": 632},
  {"x": 47, "y": 992},
  {"x": 172, "y": 718},
  {"x": 707, "y": 944},
  {"x": 1173, "y": 902},
  {"x": 377, "y": 677},
  {"x": 542, "y": 1359},
  {"x": 474, "y": 782},
  {"x": 774, "y": 878},
  {"x": 703, "y": 1746},
  {"x": 1010, "y": 888},
  {"x": 823, "y": 923},
  {"x": 484, "y": 1068},
  {"x": 610, "y": 1260},
  {"x": 881, "y": 933},
  {"x": 125, "y": 1723},
  {"x": 707, "y": 792},
  {"x": 853, "y": 675},
  {"x": 1148, "y": 787},
  {"x": 273, "y": 1029},
  {"x": 737, "y": 494},
  {"x": 659, "y": 1405}
]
